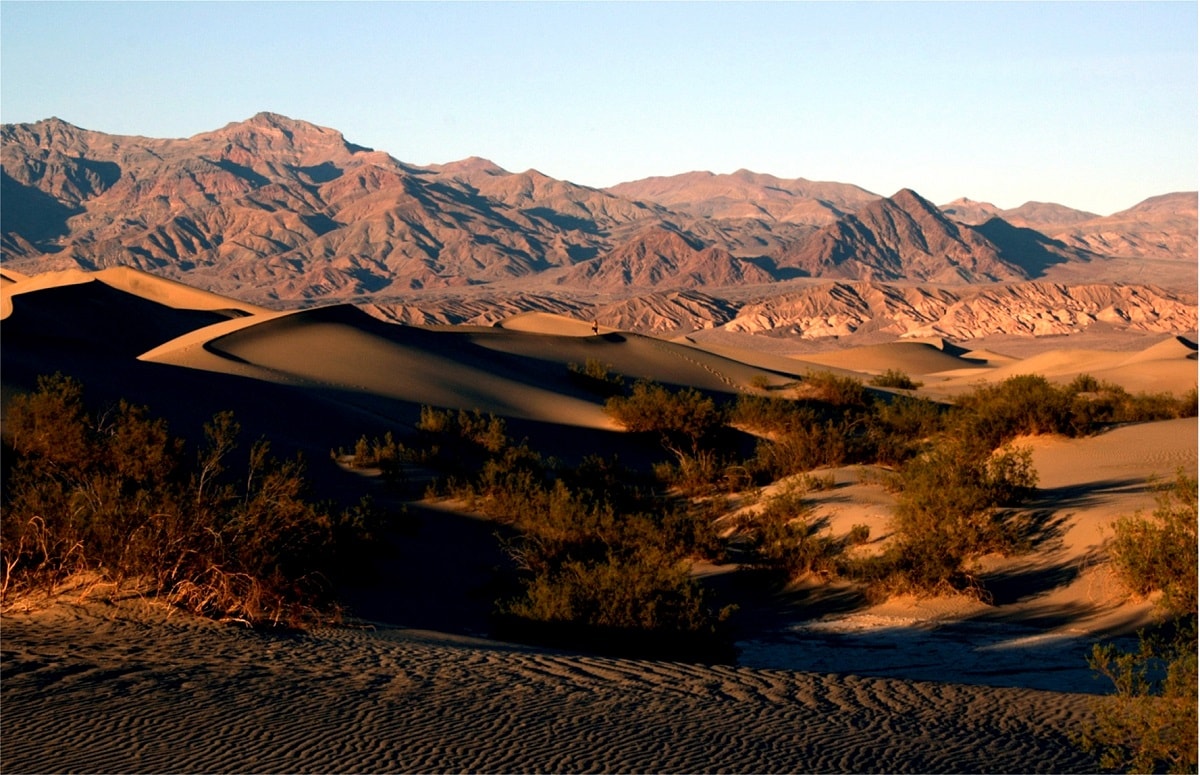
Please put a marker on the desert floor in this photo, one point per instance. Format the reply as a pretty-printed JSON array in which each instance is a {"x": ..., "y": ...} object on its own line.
[{"x": 102, "y": 681}]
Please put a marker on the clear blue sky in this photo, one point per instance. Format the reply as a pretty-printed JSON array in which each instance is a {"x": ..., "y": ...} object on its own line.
[{"x": 1092, "y": 105}]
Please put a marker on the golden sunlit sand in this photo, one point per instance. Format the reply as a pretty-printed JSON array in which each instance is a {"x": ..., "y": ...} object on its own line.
[{"x": 101, "y": 682}]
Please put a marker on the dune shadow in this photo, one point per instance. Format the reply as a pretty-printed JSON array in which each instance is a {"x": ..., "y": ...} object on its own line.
[
  {"x": 440, "y": 571},
  {"x": 1088, "y": 493},
  {"x": 1033, "y": 579}
]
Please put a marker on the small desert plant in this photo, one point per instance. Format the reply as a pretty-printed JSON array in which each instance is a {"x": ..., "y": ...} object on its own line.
[
  {"x": 760, "y": 382},
  {"x": 1149, "y": 724},
  {"x": 894, "y": 378},
  {"x": 858, "y": 535},
  {"x": 832, "y": 389},
  {"x": 782, "y": 534},
  {"x": 384, "y": 453},
  {"x": 948, "y": 513},
  {"x": 1159, "y": 553},
  {"x": 597, "y": 377},
  {"x": 113, "y": 493}
]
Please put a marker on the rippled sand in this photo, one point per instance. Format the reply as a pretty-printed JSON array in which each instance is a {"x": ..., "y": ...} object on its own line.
[{"x": 97, "y": 688}]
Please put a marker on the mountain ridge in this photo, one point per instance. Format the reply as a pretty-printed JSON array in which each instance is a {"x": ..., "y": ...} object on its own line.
[{"x": 283, "y": 212}]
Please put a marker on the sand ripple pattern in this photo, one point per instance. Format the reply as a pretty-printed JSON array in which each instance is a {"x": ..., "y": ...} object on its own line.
[{"x": 140, "y": 694}]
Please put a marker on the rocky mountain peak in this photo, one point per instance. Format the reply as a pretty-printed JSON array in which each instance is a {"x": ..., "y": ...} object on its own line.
[{"x": 273, "y": 208}]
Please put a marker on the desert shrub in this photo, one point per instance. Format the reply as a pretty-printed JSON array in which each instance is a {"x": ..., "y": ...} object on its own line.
[
  {"x": 782, "y": 534},
  {"x": 1148, "y": 407},
  {"x": 601, "y": 558},
  {"x": 682, "y": 417},
  {"x": 899, "y": 429},
  {"x": 1029, "y": 404},
  {"x": 1095, "y": 404},
  {"x": 948, "y": 514},
  {"x": 639, "y": 602},
  {"x": 827, "y": 387},
  {"x": 114, "y": 493},
  {"x": 692, "y": 474},
  {"x": 597, "y": 571},
  {"x": 858, "y": 535},
  {"x": 1026, "y": 404},
  {"x": 770, "y": 416},
  {"x": 597, "y": 377},
  {"x": 384, "y": 453},
  {"x": 894, "y": 378},
  {"x": 1149, "y": 723},
  {"x": 800, "y": 450},
  {"x": 796, "y": 437},
  {"x": 1159, "y": 553},
  {"x": 456, "y": 444},
  {"x": 689, "y": 425}
]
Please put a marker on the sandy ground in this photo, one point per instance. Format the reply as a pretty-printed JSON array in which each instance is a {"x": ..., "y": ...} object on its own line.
[
  {"x": 123, "y": 690},
  {"x": 825, "y": 682}
]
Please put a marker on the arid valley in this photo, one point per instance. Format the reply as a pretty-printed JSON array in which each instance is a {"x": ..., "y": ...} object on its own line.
[{"x": 812, "y": 343}]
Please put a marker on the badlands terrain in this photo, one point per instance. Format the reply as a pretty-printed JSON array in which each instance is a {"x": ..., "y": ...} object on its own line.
[{"x": 324, "y": 291}]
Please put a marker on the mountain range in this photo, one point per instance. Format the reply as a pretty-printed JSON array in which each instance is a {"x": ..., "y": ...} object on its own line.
[{"x": 286, "y": 213}]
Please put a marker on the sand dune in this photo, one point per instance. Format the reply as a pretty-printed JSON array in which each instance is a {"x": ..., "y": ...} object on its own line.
[
  {"x": 509, "y": 373},
  {"x": 548, "y": 323},
  {"x": 1048, "y": 607},
  {"x": 146, "y": 286},
  {"x": 1168, "y": 366},
  {"x": 827, "y": 682},
  {"x": 913, "y": 358}
]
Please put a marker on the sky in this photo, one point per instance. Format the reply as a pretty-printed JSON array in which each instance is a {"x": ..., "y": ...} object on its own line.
[{"x": 1088, "y": 104}]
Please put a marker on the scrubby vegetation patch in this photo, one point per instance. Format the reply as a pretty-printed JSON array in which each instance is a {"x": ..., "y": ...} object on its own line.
[{"x": 113, "y": 493}]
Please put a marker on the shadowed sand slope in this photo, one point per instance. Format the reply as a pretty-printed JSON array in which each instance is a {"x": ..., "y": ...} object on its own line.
[
  {"x": 909, "y": 357},
  {"x": 1169, "y": 365},
  {"x": 129, "y": 691},
  {"x": 1047, "y": 606},
  {"x": 521, "y": 374},
  {"x": 141, "y": 284},
  {"x": 95, "y": 315}
]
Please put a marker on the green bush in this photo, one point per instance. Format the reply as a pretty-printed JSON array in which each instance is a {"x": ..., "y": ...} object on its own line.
[
  {"x": 682, "y": 416},
  {"x": 1159, "y": 553},
  {"x": 900, "y": 429},
  {"x": 1149, "y": 723},
  {"x": 829, "y": 388},
  {"x": 782, "y": 535},
  {"x": 597, "y": 378},
  {"x": 114, "y": 494},
  {"x": 948, "y": 514},
  {"x": 1026, "y": 404},
  {"x": 894, "y": 378}
]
